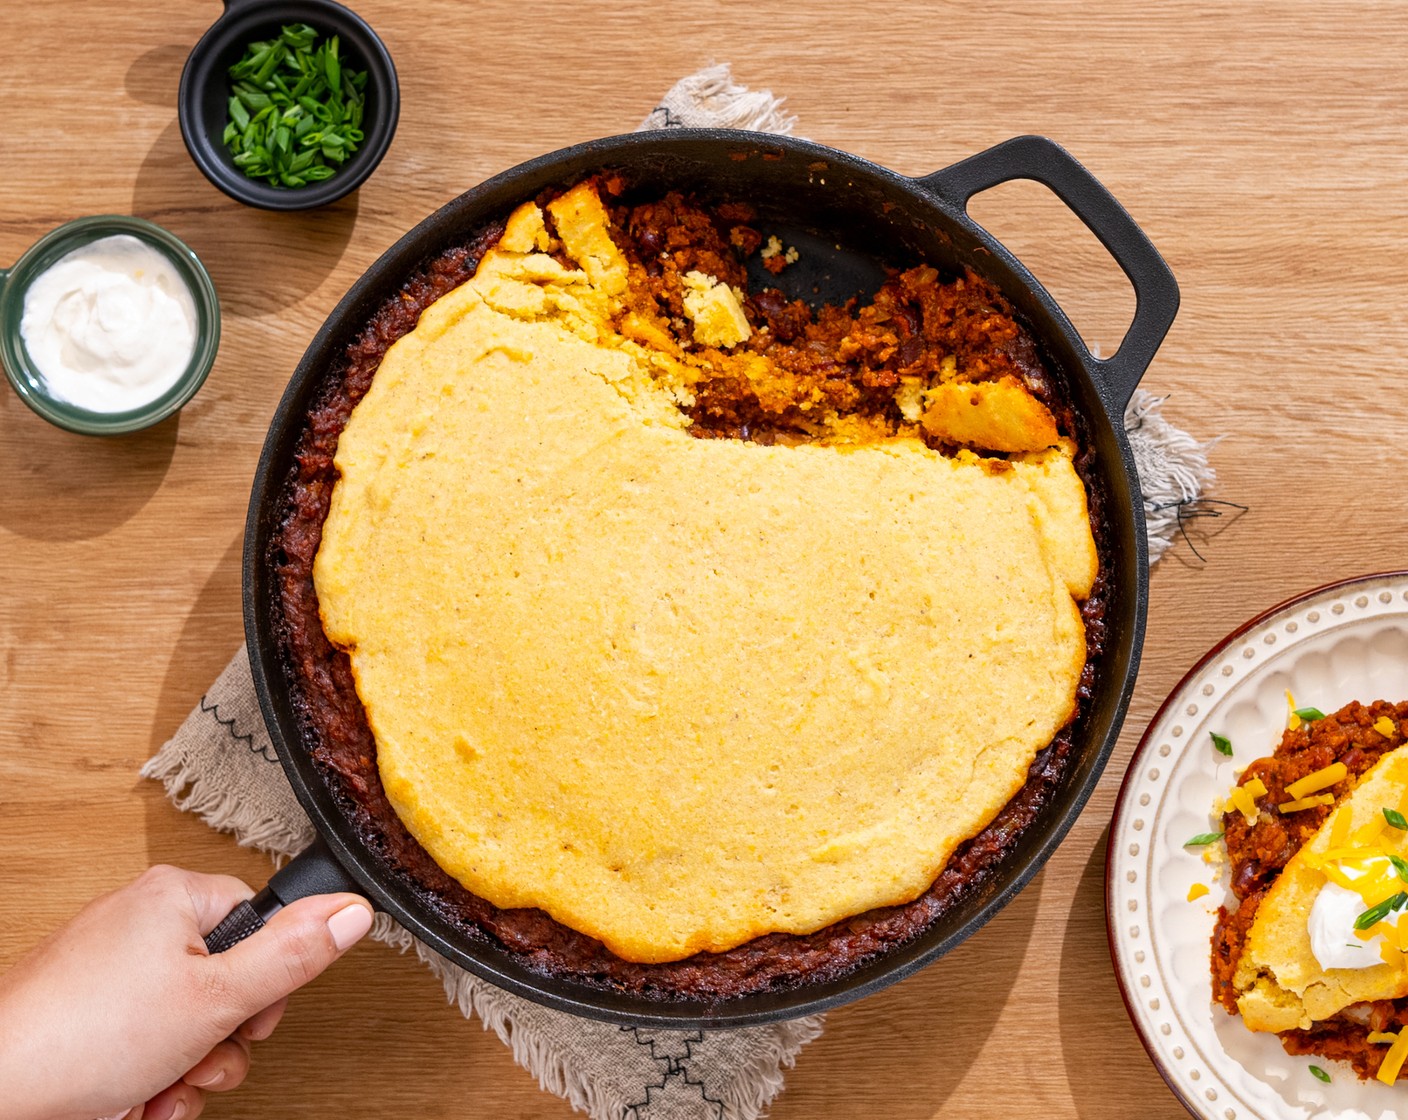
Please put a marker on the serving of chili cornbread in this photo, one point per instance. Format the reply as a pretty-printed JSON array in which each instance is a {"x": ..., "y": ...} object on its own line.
[{"x": 1315, "y": 948}]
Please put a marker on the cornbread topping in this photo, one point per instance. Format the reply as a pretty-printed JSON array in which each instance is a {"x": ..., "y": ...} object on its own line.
[
  {"x": 656, "y": 388},
  {"x": 578, "y": 637},
  {"x": 1315, "y": 950}
]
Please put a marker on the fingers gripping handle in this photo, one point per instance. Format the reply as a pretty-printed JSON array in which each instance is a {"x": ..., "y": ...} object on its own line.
[{"x": 315, "y": 870}]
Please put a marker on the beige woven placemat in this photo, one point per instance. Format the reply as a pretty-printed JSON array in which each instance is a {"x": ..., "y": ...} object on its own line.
[{"x": 221, "y": 765}]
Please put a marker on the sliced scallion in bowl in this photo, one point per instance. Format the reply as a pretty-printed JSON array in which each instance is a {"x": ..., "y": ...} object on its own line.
[{"x": 295, "y": 114}]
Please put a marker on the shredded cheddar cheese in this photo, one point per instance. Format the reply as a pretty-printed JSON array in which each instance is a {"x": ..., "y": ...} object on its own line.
[
  {"x": 1383, "y": 1036},
  {"x": 1242, "y": 800},
  {"x": 1339, "y": 831},
  {"x": 1196, "y": 891},
  {"x": 1293, "y": 721},
  {"x": 1323, "y": 778},
  {"x": 1368, "y": 833},
  {"x": 1306, "y": 803},
  {"x": 1393, "y": 1060},
  {"x": 1385, "y": 727}
]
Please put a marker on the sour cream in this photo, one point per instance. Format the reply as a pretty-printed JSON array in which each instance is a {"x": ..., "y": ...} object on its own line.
[
  {"x": 1333, "y": 939},
  {"x": 110, "y": 326}
]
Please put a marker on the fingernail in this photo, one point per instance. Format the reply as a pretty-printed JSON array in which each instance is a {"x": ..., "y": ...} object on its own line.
[
  {"x": 179, "y": 1112},
  {"x": 349, "y": 925},
  {"x": 209, "y": 1083},
  {"x": 118, "y": 1115}
]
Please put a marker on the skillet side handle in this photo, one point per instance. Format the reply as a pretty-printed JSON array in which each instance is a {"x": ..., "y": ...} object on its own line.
[
  {"x": 1155, "y": 290},
  {"x": 314, "y": 870}
]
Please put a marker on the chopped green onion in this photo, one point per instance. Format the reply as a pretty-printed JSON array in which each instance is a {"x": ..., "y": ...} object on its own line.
[
  {"x": 1400, "y": 865},
  {"x": 295, "y": 113},
  {"x": 1309, "y": 714},
  {"x": 1395, "y": 819},
  {"x": 1221, "y": 743},
  {"x": 1202, "y": 839},
  {"x": 332, "y": 66},
  {"x": 1319, "y": 1073},
  {"x": 1376, "y": 914}
]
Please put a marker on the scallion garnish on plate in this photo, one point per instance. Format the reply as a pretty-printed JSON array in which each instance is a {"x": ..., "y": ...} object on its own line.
[
  {"x": 1203, "y": 838},
  {"x": 1221, "y": 743}
]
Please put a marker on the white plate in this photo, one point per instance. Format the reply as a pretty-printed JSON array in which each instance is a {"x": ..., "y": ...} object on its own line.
[{"x": 1340, "y": 643}]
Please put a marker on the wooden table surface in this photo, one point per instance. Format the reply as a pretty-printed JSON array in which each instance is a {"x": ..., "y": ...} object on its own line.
[{"x": 1263, "y": 147}]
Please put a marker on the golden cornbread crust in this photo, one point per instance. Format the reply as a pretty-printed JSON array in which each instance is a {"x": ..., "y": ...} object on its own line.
[
  {"x": 767, "y": 404},
  {"x": 576, "y": 630}
]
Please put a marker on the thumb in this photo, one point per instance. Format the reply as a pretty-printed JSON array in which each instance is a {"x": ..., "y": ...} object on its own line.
[{"x": 294, "y": 946}]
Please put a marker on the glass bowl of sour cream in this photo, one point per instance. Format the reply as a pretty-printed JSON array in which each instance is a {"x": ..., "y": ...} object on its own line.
[{"x": 108, "y": 324}]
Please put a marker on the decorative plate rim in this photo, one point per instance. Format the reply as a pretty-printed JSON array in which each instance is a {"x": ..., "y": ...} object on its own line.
[{"x": 1134, "y": 768}]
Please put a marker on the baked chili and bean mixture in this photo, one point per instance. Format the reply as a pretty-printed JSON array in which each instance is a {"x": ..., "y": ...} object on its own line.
[{"x": 846, "y": 361}]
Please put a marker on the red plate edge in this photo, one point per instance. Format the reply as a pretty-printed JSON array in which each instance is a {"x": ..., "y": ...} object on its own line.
[{"x": 1137, "y": 757}]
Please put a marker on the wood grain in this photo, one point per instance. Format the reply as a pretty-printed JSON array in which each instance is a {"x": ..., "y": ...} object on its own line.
[{"x": 1263, "y": 146}]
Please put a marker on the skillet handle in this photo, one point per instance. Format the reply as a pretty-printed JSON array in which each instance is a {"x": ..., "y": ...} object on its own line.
[
  {"x": 314, "y": 870},
  {"x": 1155, "y": 290}
]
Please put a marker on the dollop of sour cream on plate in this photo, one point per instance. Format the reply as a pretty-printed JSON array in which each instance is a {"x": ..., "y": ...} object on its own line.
[
  {"x": 110, "y": 326},
  {"x": 1334, "y": 941}
]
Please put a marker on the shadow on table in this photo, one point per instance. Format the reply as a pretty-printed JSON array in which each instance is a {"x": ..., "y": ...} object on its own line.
[
  {"x": 209, "y": 638},
  {"x": 65, "y": 487},
  {"x": 911, "y": 1069},
  {"x": 1119, "y": 1081},
  {"x": 262, "y": 262}
]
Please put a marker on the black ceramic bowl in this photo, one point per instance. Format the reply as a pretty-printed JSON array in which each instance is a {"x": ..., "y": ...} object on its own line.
[{"x": 202, "y": 104}]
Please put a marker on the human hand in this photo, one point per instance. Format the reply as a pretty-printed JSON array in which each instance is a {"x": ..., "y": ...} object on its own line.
[{"x": 123, "y": 1008}]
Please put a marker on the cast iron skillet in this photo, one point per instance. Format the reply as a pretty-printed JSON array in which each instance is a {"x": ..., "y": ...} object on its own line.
[{"x": 847, "y": 216}]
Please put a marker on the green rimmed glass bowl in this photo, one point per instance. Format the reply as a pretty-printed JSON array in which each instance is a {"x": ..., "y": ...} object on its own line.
[{"x": 29, "y": 383}]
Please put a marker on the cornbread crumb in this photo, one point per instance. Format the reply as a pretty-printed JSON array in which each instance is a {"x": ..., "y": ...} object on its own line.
[
  {"x": 526, "y": 231},
  {"x": 716, "y": 309},
  {"x": 775, "y": 258},
  {"x": 584, "y": 227},
  {"x": 909, "y": 397},
  {"x": 998, "y": 415}
]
